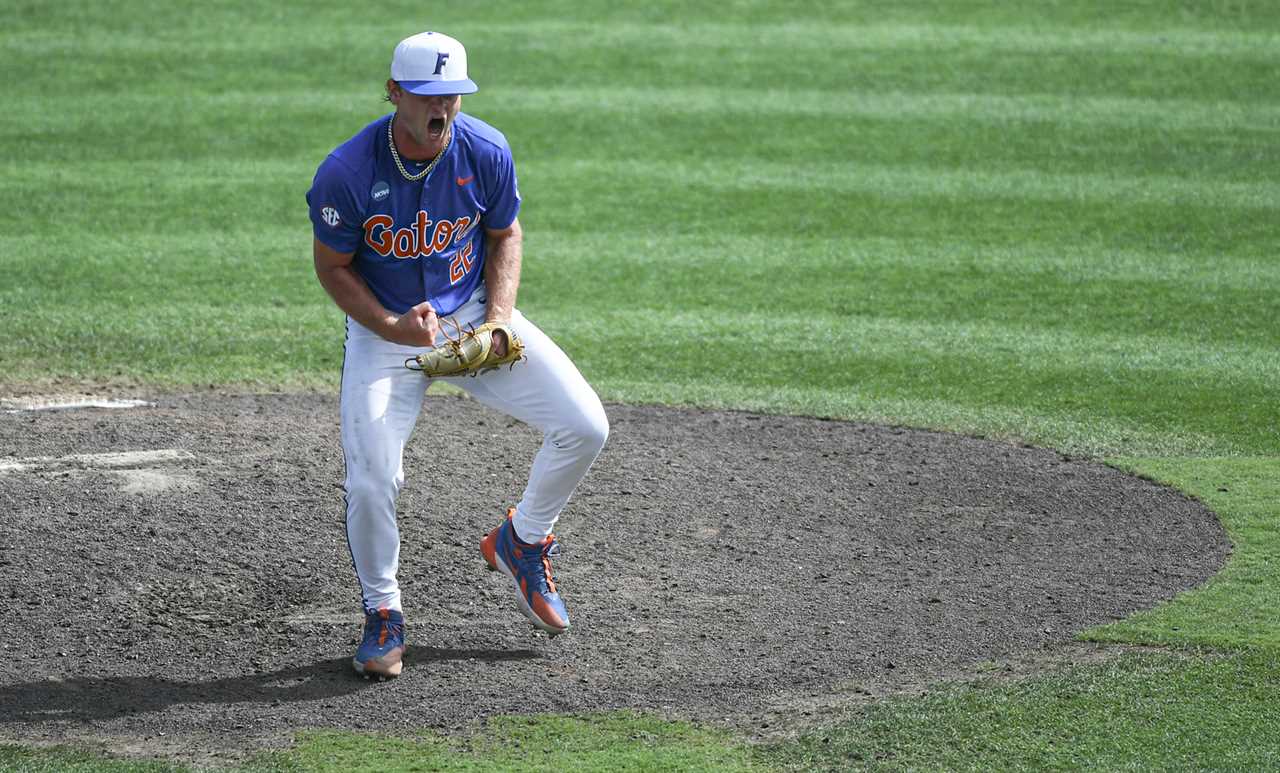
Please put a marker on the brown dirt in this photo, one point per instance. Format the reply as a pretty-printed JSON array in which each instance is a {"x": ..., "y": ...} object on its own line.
[{"x": 720, "y": 566}]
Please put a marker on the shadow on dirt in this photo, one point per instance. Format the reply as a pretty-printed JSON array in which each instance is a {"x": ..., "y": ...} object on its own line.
[{"x": 82, "y": 700}]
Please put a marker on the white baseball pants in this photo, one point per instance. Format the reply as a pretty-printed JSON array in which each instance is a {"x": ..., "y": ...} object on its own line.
[{"x": 381, "y": 399}]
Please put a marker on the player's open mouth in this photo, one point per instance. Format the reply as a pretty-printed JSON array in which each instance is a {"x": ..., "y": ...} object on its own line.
[{"x": 435, "y": 127}]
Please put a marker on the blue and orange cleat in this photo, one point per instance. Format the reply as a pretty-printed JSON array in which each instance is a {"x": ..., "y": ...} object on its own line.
[
  {"x": 529, "y": 567},
  {"x": 382, "y": 649}
]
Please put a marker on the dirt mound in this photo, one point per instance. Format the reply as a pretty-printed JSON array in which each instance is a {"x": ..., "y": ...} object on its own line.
[{"x": 182, "y": 569}]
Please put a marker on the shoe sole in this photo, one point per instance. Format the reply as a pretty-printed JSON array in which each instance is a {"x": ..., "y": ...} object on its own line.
[
  {"x": 369, "y": 672},
  {"x": 525, "y": 609}
]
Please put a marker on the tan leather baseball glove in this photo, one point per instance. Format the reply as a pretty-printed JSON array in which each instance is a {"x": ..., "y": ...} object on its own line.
[{"x": 470, "y": 353}]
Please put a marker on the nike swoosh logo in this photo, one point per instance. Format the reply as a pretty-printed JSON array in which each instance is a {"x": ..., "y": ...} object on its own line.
[{"x": 465, "y": 180}]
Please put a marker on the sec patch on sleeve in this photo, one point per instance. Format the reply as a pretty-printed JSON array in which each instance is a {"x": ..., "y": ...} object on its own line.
[{"x": 330, "y": 216}]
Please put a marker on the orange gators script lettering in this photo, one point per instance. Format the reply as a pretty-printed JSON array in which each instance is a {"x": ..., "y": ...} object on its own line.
[{"x": 423, "y": 238}]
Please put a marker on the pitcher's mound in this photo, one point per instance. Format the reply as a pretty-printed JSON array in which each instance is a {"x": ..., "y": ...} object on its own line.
[{"x": 716, "y": 565}]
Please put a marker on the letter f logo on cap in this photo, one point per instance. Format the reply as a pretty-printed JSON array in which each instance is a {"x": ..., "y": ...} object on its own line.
[{"x": 431, "y": 63}]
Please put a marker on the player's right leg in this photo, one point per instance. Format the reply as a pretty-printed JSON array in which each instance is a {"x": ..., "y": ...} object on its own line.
[{"x": 380, "y": 402}]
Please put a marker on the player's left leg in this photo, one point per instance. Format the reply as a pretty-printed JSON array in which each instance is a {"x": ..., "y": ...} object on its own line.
[{"x": 547, "y": 392}]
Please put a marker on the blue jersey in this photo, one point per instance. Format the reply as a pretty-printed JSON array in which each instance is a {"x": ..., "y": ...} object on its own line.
[{"x": 416, "y": 241}]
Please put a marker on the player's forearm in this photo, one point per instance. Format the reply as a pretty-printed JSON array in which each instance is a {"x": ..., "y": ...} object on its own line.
[
  {"x": 502, "y": 273},
  {"x": 353, "y": 296}
]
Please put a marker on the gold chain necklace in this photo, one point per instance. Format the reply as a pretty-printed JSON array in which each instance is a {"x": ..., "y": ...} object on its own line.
[{"x": 395, "y": 155}]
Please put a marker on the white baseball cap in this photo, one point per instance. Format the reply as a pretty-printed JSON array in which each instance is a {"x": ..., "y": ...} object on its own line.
[{"x": 431, "y": 63}]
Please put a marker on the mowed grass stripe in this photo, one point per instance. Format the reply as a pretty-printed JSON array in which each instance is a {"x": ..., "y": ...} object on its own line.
[
  {"x": 1148, "y": 17},
  {"x": 820, "y": 35},
  {"x": 763, "y": 259},
  {"x": 1161, "y": 335},
  {"x": 872, "y": 279},
  {"x": 134, "y": 111},
  {"x": 230, "y": 137},
  {"x": 889, "y": 360},
  {"x": 1076, "y": 60},
  {"x": 181, "y": 343},
  {"x": 852, "y": 199},
  {"x": 1122, "y": 74},
  {"x": 1175, "y": 296},
  {"x": 880, "y": 277},
  {"x": 695, "y": 209},
  {"x": 896, "y": 181},
  {"x": 722, "y": 174},
  {"x": 861, "y": 283},
  {"x": 793, "y": 35},
  {"x": 608, "y": 103},
  {"x": 1112, "y": 357},
  {"x": 1063, "y": 109},
  {"x": 638, "y": 258},
  {"x": 1115, "y": 357}
]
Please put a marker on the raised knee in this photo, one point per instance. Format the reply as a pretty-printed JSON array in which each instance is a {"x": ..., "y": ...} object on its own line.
[
  {"x": 597, "y": 432},
  {"x": 588, "y": 434}
]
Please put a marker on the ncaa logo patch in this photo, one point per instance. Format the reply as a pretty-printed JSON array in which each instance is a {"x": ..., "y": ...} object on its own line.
[
  {"x": 380, "y": 191},
  {"x": 330, "y": 216}
]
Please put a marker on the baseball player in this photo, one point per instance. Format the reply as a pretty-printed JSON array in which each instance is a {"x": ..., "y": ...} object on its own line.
[{"x": 415, "y": 224}]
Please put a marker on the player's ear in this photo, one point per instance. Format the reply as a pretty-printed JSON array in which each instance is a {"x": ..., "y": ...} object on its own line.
[{"x": 393, "y": 92}]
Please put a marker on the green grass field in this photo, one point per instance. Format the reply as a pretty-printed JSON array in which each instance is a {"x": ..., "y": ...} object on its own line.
[{"x": 1057, "y": 222}]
